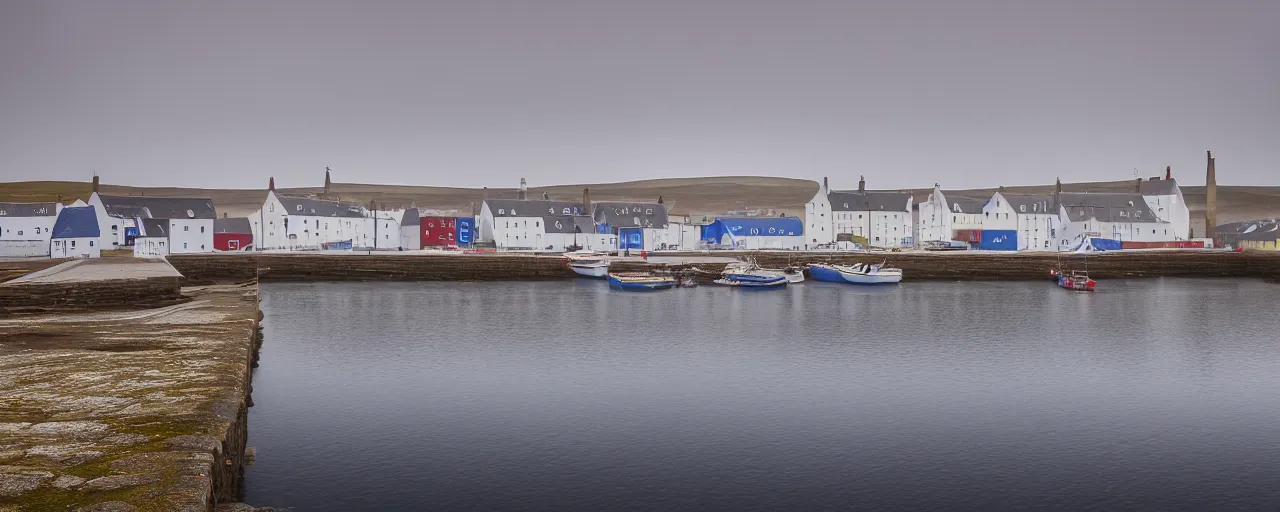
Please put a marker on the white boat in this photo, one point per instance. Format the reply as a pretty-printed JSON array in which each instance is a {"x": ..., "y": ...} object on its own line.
[
  {"x": 750, "y": 268},
  {"x": 863, "y": 273},
  {"x": 588, "y": 263}
]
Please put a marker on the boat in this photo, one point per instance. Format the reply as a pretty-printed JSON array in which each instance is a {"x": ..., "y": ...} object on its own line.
[
  {"x": 749, "y": 267},
  {"x": 640, "y": 282},
  {"x": 588, "y": 263},
  {"x": 753, "y": 281},
  {"x": 861, "y": 273},
  {"x": 1077, "y": 280}
]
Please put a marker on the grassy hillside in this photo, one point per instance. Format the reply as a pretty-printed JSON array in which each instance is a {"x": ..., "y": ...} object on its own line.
[{"x": 694, "y": 196}]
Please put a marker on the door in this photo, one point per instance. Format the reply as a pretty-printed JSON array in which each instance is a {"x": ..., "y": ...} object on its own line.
[
  {"x": 630, "y": 238},
  {"x": 233, "y": 244}
]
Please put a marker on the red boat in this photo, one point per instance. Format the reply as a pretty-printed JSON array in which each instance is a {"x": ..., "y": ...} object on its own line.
[{"x": 1078, "y": 281}]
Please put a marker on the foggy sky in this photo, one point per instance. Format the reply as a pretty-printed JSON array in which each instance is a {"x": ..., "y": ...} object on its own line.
[{"x": 479, "y": 92}]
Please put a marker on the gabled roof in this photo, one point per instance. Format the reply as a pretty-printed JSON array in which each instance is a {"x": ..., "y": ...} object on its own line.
[
  {"x": 957, "y": 202},
  {"x": 147, "y": 207},
  {"x": 237, "y": 225},
  {"x": 76, "y": 222},
  {"x": 568, "y": 224},
  {"x": 1261, "y": 232},
  {"x": 411, "y": 218},
  {"x": 868, "y": 201},
  {"x": 28, "y": 209},
  {"x": 1160, "y": 187},
  {"x": 155, "y": 227},
  {"x": 319, "y": 207},
  {"x": 1107, "y": 207},
  {"x": 533, "y": 208},
  {"x": 1029, "y": 203},
  {"x": 630, "y": 215}
]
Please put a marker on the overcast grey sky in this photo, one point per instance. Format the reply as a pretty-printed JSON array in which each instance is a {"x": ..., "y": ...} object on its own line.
[{"x": 479, "y": 92}]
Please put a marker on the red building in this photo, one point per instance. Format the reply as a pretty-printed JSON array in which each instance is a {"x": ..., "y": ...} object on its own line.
[
  {"x": 439, "y": 231},
  {"x": 232, "y": 234}
]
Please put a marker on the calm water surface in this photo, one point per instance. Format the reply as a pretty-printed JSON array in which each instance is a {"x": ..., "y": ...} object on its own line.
[{"x": 1149, "y": 394}]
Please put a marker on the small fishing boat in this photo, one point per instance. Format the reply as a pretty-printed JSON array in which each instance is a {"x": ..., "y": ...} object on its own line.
[
  {"x": 1078, "y": 281},
  {"x": 588, "y": 263},
  {"x": 749, "y": 267},
  {"x": 640, "y": 282},
  {"x": 752, "y": 281},
  {"x": 861, "y": 273}
]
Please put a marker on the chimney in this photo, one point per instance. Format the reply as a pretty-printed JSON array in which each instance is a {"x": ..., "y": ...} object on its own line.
[
  {"x": 1168, "y": 172},
  {"x": 659, "y": 199},
  {"x": 95, "y": 182},
  {"x": 327, "y": 182},
  {"x": 546, "y": 197},
  {"x": 586, "y": 199},
  {"x": 523, "y": 192},
  {"x": 1057, "y": 194},
  {"x": 271, "y": 183},
  {"x": 1137, "y": 186},
  {"x": 862, "y": 183},
  {"x": 825, "y": 186},
  {"x": 1210, "y": 198},
  {"x": 224, "y": 215},
  {"x": 485, "y": 193}
]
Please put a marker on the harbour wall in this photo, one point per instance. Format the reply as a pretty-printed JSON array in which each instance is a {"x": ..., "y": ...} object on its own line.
[
  {"x": 917, "y": 266},
  {"x": 88, "y": 295}
]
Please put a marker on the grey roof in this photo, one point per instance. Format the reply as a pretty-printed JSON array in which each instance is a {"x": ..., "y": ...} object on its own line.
[
  {"x": 238, "y": 225},
  {"x": 1266, "y": 231},
  {"x": 867, "y": 201},
  {"x": 411, "y": 218},
  {"x": 1161, "y": 187},
  {"x": 630, "y": 215},
  {"x": 533, "y": 208},
  {"x": 28, "y": 209},
  {"x": 959, "y": 203},
  {"x": 147, "y": 207},
  {"x": 155, "y": 227},
  {"x": 568, "y": 224},
  {"x": 1029, "y": 203},
  {"x": 1107, "y": 207},
  {"x": 319, "y": 207}
]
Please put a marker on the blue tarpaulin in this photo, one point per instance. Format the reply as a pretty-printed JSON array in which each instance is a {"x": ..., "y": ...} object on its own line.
[
  {"x": 737, "y": 227},
  {"x": 999, "y": 240},
  {"x": 463, "y": 225}
]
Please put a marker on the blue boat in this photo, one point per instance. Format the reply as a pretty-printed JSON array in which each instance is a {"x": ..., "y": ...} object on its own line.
[
  {"x": 825, "y": 273},
  {"x": 640, "y": 282},
  {"x": 753, "y": 281}
]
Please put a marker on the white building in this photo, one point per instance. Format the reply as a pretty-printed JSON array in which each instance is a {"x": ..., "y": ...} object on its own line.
[
  {"x": 539, "y": 224},
  {"x": 949, "y": 215},
  {"x": 152, "y": 240},
  {"x": 638, "y": 226},
  {"x": 27, "y": 228},
  {"x": 1164, "y": 197},
  {"x": 411, "y": 230},
  {"x": 299, "y": 223},
  {"x": 190, "y": 220},
  {"x": 76, "y": 234},
  {"x": 755, "y": 233},
  {"x": 883, "y": 218},
  {"x": 1030, "y": 219},
  {"x": 1125, "y": 217}
]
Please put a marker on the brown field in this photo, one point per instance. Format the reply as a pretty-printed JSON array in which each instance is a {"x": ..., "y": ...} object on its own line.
[{"x": 691, "y": 196}]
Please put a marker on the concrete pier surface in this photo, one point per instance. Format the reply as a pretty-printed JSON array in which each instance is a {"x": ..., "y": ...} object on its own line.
[
  {"x": 88, "y": 284},
  {"x": 128, "y": 410}
]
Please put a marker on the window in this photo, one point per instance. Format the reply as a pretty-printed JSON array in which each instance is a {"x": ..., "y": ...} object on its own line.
[
  {"x": 317, "y": 225},
  {"x": 184, "y": 244},
  {"x": 73, "y": 244},
  {"x": 202, "y": 229},
  {"x": 535, "y": 223},
  {"x": 273, "y": 207},
  {"x": 162, "y": 243},
  {"x": 91, "y": 243},
  {"x": 202, "y": 247},
  {"x": 859, "y": 216},
  {"x": 186, "y": 228},
  {"x": 114, "y": 228},
  {"x": 19, "y": 231}
]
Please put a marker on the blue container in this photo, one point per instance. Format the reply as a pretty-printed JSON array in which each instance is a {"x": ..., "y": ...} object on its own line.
[
  {"x": 1105, "y": 244},
  {"x": 630, "y": 238},
  {"x": 465, "y": 228},
  {"x": 999, "y": 240}
]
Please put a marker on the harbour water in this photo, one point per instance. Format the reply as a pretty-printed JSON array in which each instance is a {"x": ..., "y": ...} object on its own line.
[{"x": 1147, "y": 394}]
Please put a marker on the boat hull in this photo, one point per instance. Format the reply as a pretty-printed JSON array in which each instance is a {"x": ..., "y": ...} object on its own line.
[
  {"x": 832, "y": 274},
  {"x": 592, "y": 271},
  {"x": 890, "y": 278},
  {"x": 825, "y": 274},
  {"x": 640, "y": 286}
]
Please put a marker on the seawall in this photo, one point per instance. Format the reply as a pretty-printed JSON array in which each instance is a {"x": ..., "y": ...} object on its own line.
[
  {"x": 128, "y": 410},
  {"x": 916, "y": 265}
]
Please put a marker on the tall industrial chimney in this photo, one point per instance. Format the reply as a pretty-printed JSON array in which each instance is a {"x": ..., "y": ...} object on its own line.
[
  {"x": 327, "y": 182},
  {"x": 1210, "y": 198},
  {"x": 524, "y": 190}
]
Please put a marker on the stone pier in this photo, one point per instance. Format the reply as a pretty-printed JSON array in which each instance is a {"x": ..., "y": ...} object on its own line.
[{"x": 120, "y": 410}]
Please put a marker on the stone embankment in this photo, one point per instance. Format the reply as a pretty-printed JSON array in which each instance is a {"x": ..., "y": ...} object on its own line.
[
  {"x": 128, "y": 410},
  {"x": 78, "y": 285},
  {"x": 917, "y": 265}
]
